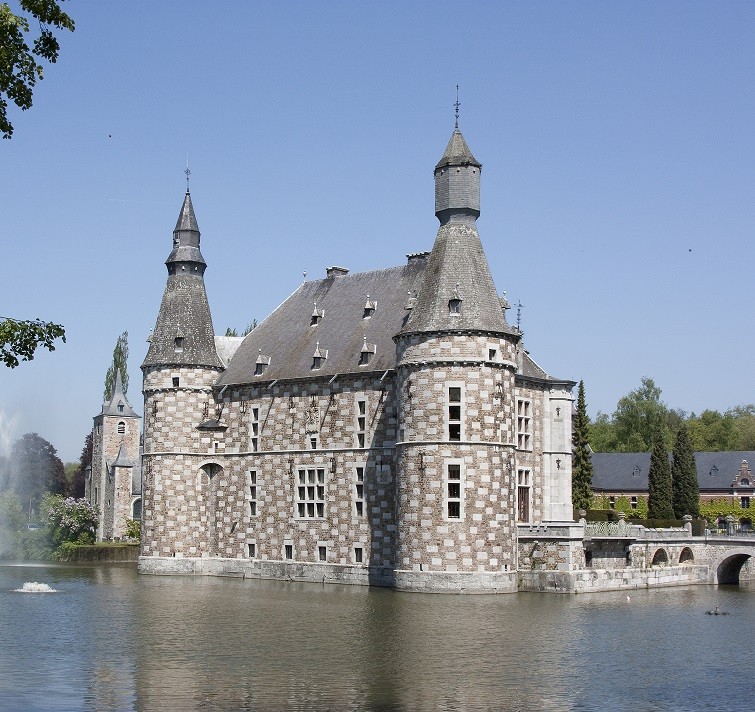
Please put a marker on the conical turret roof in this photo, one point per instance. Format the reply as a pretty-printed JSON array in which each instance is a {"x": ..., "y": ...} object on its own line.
[
  {"x": 186, "y": 218},
  {"x": 118, "y": 404},
  {"x": 457, "y": 153},
  {"x": 457, "y": 292},
  {"x": 183, "y": 334}
]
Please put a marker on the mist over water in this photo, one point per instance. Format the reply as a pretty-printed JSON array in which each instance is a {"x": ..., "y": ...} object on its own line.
[{"x": 8, "y": 432}]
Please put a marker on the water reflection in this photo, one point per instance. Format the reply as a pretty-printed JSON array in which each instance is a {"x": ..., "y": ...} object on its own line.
[{"x": 111, "y": 640}]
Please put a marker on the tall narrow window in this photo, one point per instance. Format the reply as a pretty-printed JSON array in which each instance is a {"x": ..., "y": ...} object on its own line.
[
  {"x": 359, "y": 491},
  {"x": 254, "y": 430},
  {"x": 358, "y": 555},
  {"x": 121, "y": 427},
  {"x": 288, "y": 550},
  {"x": 310, "y": 493},
  {"x": 322, "y": 553},
  {"x": 454, "y": 413},
  {"x": 252, "y": 549},
  {"x": 252, "y": 480},
  {"x": 524, "y": 424},
  {"x": 523, "y": 495},
  {"x": 453, "y": 491},
  {"x": 361, "y": 422}
]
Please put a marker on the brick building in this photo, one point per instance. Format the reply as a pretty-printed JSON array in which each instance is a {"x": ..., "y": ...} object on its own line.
[{"x": 385, "y": 428}]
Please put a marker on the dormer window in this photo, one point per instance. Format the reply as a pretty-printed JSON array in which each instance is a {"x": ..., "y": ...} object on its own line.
[
  {"x": 179, "y": 343},
  {"x": 367, "y": 352},
  {"x": 318, "y": 357},
  {"x": 120, "y": 407},
  {"x": 369, "y": 308},
  {"x": 454, "y": 307},
  {"x": 317, "y": 315},
  {"x": 261, "y": 364}
]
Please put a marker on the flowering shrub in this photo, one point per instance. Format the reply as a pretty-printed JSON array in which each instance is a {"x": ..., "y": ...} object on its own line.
[{"x": 71, "y": 520}]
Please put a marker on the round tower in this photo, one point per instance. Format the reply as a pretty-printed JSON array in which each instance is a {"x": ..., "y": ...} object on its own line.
[
  {"x": 180, "y": 368},
  {"x": 456, "y": 355}
]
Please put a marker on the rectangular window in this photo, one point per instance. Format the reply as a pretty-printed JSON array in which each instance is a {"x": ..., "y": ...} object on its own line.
[
  {"x": 359, "y": 491},
  {"x": 454, "y": 413},
  {"x": 358, "y": 554},
  {"x": 745, "y": 502},
  {"x": 322, "y": 553},
  {"x": 612, "y": 503},
  {"x": 492, "y": 354},
  {"x": 523, "y": 495},
  {"x": 310, "y": 493},
  {"x": 361, "y": 423},
  {"x": 252, "y": 484},
  {"x": 633, "y": 502},
  {"x": 523, "y": 424},
  {"x": 254, "y": 430},
  {"x": 289, "y": 551},
  {"x": 454, "y": 499},
  {"x": 252, "y": 549}
]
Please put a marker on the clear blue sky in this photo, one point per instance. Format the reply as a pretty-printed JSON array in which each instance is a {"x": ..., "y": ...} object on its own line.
[{"x": 618, "y": 197}]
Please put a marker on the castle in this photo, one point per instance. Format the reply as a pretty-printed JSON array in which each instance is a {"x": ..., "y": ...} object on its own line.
[{"x": 383, "y": 428}]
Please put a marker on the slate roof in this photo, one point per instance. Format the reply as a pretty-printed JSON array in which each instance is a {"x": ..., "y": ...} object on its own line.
[
  {"x": 112, "y": 407},
  {"x": 628, "y": 471},
  {"x": 457, "y": 153},
  {"x": 122, "y": 460},
  {"x": 457, "y": 269},
  {"x": 226, "y": 346},
  {"x": 184, "y": 310},
  {"x": 289, "y": 340}
]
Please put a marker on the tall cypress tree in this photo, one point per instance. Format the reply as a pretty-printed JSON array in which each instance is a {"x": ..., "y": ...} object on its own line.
[
  {"x": 685, "y": 488},
  {"x": 120, "y": 357},
  {"x": 582, "y": 469},
  {"x": 659, "y": 481}
]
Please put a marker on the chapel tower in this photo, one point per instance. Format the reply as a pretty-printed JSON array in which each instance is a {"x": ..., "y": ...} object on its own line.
[
  {"x": 113, "y": 481},
  {"x": 179, "y": 370},
  {"x": 456, "y": 365}
]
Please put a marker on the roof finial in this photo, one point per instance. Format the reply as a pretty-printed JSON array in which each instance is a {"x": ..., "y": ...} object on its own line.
[
  {"x": 457, "y": 105},
  {"x": 187, "y": 172},
  {"x": 519, "y": 316}
]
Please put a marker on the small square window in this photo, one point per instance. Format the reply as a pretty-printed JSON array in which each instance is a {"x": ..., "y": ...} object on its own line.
[
  {"x": 179, "y": 343},
  {"x": 454, "y": 307},
  {"x": 176, "y": 381},
  {"x": 492, "y": 354}
]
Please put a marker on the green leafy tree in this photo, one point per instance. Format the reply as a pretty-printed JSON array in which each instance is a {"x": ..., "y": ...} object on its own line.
[
  {"x": 744, "y": 425},
  {"x": 19, "y": 339},
  {"x": 659, "y": 481},
  {"x": 712, "y": 431},
  {"x": 684, "y": 484},
  {"x": 118, "y": 365},
  {"x": 603, "y": 434},
  {"x": 639, "y": 416},
  {"x": 35, "y": 469},
  {"x": 85, "y": 461},
  {"x": 582, "y": 469},
  {"x": 19, "y": 69}
]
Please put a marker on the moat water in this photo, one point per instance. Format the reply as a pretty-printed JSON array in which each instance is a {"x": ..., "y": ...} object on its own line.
[{"x": 108, "y": 639}]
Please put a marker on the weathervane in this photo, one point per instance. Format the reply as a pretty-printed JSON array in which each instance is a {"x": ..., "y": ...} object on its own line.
[
  {"x": 188, "y": 173},
  {"x": 457, "y": 105},
  {"x": 519, "y": 315}
]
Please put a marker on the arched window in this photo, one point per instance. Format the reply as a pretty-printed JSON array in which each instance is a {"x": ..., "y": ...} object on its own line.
[
  {"x": 121, "y": 427},
  {"x": 136, "y": 509}
]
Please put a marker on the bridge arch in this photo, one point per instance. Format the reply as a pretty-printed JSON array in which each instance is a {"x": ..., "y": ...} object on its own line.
[
  {"x": 660, "y": 558},
  {"x": 728, "y": 568},
  {"x": 686, "y": 556}
]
